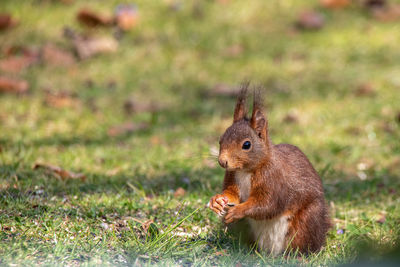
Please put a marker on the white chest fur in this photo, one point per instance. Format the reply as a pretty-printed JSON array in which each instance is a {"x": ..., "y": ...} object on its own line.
[
  {"x": 243, "y": 181},
  {"x": 269, "y": 234}
]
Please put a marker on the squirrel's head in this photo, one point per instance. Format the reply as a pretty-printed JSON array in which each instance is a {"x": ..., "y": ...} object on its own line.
[{"x": 245, "y": 144}]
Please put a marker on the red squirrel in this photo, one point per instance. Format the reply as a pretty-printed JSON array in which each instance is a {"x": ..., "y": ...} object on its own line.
[{"x": 274, "y": 187}]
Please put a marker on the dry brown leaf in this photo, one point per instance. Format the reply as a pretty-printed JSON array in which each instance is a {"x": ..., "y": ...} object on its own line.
[
  {"x": 382, "y": 218},
  {"x": 224, "y": 2},
  {"x": 91, "y": 18},
  {"x": 17, "y": 58},
  {"x": 335, "y": 4},
  {"x": 180, "y": 192},
  {"x": 62, "y": 99},
  {"x": 224, "y": 90},
  {"x": 66, "y": 2},
  {"x": 126, "y": 17},
  {"x": 59, "y": 172},
  {"x": 234, "y": 50},
  {"x": 387, "y": 127},
  {"x": 55, "y": 56},
  {"x": 16, "y": 64},
  {"x": 126, "y": 128},
  {"x": 398, "y": 117},
  {"x": 291, "y": 117},
  {"x": 387, "y": 14},
  {"x": 6, "y": 21},
  {"x": 372, "y": 4},
  {"x": 365, "y": 89},
  {"x": 155, "y": 140},
  {"x": 88, "y": 46},
  {"x": 310, "y": 20},
  {"x": 354, "y": 130},
  {"x": 135, "y": 106},
  {"x": 8, "y": 85},
  {"x": 91, "y": 46}
]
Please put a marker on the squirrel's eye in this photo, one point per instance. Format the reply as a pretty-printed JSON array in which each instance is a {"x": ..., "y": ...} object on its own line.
[{"x": 246, "y": 145}]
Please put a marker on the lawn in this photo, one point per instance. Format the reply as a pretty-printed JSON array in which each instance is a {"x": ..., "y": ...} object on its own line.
[{"x": 333, "y": 92}]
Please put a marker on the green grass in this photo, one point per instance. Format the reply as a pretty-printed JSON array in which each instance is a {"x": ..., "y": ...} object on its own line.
[{"x": 173, "y": 58}]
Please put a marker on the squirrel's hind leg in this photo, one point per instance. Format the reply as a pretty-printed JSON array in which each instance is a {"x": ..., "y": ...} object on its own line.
[{"x": 308, "y": 227}]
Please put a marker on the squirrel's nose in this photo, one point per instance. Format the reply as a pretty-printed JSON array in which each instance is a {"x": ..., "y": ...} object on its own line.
[{"x": 223, "y": 162}]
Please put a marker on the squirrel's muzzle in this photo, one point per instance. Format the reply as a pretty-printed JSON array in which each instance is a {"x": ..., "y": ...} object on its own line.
[{"x": 223, "y": 162}]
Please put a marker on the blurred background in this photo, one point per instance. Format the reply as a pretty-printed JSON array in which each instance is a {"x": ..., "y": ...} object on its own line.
[{"x": 110, "y": 114}]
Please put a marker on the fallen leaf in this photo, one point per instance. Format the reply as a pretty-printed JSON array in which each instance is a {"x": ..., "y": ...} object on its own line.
[
  {"x": 198, "y": 9},
  {"x": 224, "y": 90},
  {"x": 16, "y": 64},
  {"x": 155, "y": 140},
  {"x": 59, "y": 172},
  {"x": 66, "y": 2},
  {"x": 126, "y": 16},
  {"x": 61, "y": 99},
  {"x": 6, "y": 21},
  {"x": 224, "y": 2},
  {"x": 174, "y": 5},
  {"x": 91, "y": 18},
  {"x": 365, "y": 89},
  {"x": 111, "y": 84},
  {"x": 55, "y": 56},
  {"x": 373, "y": 4},
  {"x": 398, "y": 117},
  {"x": 387, "y": 127},
  {"x": 8, "y": 85},
  {"x": 387, "y": 14},
  {"x": 291, "y": 117},
  {"x": 335, "y": 4},
  {"x": 126, "y": 128},
  {"x": 180, "y": 192},
  {"x": 310, "y": 20},
  {"x": 18, "y": 58},
  {"x": 87, "y": 47},
  {"x": 353, "y": 130},
  {"x": 382, "y": 218},
  {"x": 234, "y": 50},
  {"x": 135, "y": 106}
]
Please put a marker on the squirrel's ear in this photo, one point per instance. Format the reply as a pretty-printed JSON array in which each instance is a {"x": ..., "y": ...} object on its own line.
[
  {"x": 258, "y": 121},
  {"x": 240, "y": 109}
]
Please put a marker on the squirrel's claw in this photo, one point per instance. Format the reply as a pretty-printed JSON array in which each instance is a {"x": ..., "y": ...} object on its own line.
[
  {"x": 232, "y": 215},
  {"x": 217, "y": 204}
]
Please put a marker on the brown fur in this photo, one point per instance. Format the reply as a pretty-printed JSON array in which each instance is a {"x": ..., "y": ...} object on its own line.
[{"x": 283, "y": 181}]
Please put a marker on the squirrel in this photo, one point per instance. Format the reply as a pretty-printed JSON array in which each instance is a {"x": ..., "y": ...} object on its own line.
[{"x": 274, "y": 187}]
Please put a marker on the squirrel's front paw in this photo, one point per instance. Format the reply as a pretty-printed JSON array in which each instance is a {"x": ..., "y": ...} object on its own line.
[
  {"x": 218, "y": 203},
  {"x": 233, "y": 214}
]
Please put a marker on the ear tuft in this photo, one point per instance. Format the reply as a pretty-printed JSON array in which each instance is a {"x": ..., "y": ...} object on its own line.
[
  {"x": 258, "y": 121},
  {"x": 240, "y": 109}
]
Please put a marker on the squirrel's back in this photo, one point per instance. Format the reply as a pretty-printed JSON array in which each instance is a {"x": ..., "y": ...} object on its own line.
[{"x": 297, "y": 169}]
